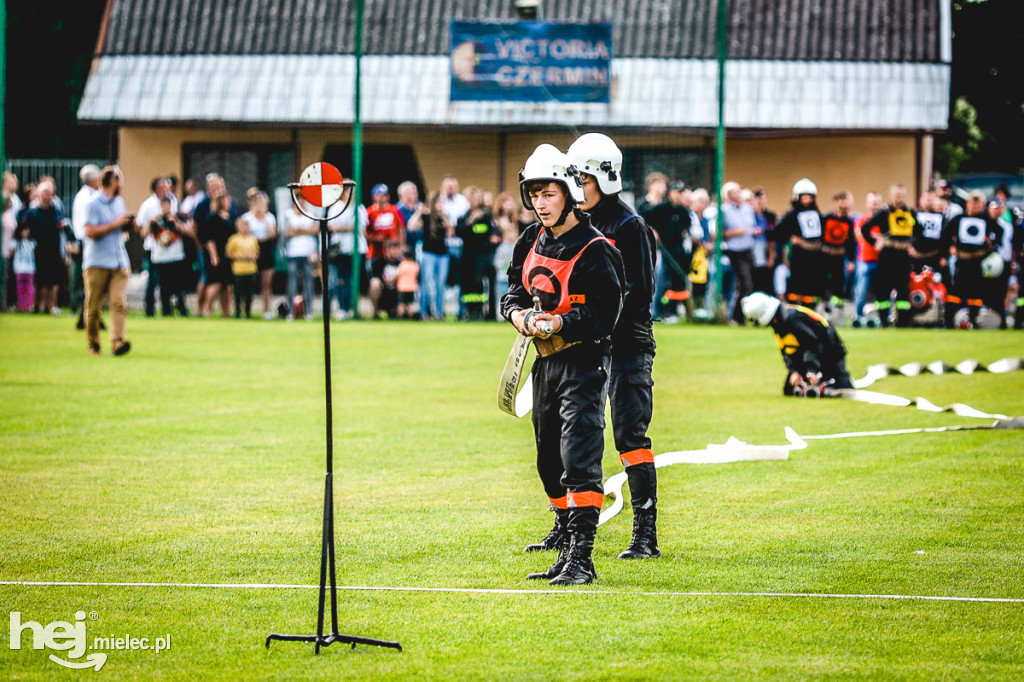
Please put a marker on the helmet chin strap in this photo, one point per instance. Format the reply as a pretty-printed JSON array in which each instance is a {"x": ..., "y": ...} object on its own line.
[{"x": 570, "y": 205}]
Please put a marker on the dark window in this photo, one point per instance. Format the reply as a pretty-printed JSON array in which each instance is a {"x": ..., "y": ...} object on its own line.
[
  {"x": 243, "y": 166},
  {"x": 692, "y": 166}
]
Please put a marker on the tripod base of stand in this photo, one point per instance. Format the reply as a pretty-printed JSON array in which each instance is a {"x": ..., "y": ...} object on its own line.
[{"x": 331, "y": 638}]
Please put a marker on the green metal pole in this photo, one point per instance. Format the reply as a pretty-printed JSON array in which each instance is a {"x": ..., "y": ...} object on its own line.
[
  {"x": 3, "y": 123},
  {"x": 357, "y": 157},
  {"x": 723, "y": 47}
]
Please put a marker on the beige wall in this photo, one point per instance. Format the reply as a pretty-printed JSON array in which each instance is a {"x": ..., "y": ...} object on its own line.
[
  {"x": 856, "y": 163},
  {"x": 859, "y": 163},
  {"x": 519, "y": 146},
  {"x": 145, "y": 153}
]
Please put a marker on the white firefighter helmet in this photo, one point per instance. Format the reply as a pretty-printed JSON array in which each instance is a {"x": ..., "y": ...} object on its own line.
[
  {"x": 760, "y": 308},
  {"x": 596, "y": 154},
  {"x": 547, "y": 162},
  {"x": 985, "y": 318},
  {"x": 805, "y": 186},
  {"x": 992, "y": 265}
]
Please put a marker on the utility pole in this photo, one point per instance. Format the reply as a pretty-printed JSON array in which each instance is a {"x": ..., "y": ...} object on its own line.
[
  {"x": 723, "y": 48},
  {"x": 3, "y": 128},
  {"x": 357, "y": 158}
]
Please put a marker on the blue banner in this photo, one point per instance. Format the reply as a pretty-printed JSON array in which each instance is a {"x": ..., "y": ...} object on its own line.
[{"x": 530, "y": 61}]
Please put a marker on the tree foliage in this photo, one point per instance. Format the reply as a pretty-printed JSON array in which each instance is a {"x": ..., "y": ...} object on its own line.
[{"x": 987, "y": 112}]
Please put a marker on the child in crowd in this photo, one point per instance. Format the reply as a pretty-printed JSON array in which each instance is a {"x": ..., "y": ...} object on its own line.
[
  {"x": 408, "y": 284},
  {"x": 25, "y": 268},
  {"x": 244, "y": 250}
]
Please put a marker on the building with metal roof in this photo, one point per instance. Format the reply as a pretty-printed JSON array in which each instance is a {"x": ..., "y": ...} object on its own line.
[{"x": 848, "y": 92}]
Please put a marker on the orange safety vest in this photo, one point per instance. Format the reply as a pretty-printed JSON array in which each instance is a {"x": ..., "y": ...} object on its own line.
[{"x": 548, "y": 278}]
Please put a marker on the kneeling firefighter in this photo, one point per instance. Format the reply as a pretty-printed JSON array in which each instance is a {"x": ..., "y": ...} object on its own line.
[
  {"x": 576, "y": 276},
  {"x": 812, "y": 350}
]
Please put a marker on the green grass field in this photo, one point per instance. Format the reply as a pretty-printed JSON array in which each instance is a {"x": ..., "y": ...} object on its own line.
[{"x": 199, "y": 459}]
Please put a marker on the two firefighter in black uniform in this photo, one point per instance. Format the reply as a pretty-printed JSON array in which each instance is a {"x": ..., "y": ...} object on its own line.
[{"x": 589, "y": 261}]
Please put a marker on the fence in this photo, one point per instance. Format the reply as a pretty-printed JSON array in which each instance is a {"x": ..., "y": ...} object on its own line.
[{"x": 64, "y": 171}]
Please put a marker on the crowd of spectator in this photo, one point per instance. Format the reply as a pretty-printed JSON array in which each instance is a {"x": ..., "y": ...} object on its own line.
[
  {"x": 448, "y": 255},
  {"x": 936, "y": 264}
]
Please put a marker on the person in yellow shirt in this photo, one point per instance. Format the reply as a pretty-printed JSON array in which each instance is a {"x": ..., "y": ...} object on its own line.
[{"x": 244, "y": 250}]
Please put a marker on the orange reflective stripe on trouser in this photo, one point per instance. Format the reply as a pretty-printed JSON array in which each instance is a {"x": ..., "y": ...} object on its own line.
[
  {"x": 558, "y": 502},
  {"x": 950, "y": 298},
  {"x": 975, "y": 301},
  {"x": 673, "y": 295},
  {"x": 584, "y": 499},
  {"x": 634, "y": 457}
]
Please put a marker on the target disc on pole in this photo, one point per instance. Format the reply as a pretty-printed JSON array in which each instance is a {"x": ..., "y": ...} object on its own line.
[{"x": 321, "y": 184}]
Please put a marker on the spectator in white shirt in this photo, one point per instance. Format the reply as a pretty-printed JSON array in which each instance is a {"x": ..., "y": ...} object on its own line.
[{"x": 90, "y": 178}]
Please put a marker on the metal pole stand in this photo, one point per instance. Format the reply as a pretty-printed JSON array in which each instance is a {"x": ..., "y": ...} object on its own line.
[{"x": 321, "y": 188}]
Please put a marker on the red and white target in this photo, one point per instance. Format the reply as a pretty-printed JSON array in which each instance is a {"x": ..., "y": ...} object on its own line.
[{"x": 321, "y": 184}]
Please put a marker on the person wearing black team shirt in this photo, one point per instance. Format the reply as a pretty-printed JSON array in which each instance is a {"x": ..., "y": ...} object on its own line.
[
  {"x": 895, "y": 224},
  {"x": 576, "y": 275},
  {"x": 801, "y": 228},
  {"x": 599, "y": 162},
  {"x": 675, "y": 242},
  {"x": 969, "y": 234},
  {"x": 927, "y": 251},
  {"x": 814, "y": 354},
  {"x": 838, "y": 247}
]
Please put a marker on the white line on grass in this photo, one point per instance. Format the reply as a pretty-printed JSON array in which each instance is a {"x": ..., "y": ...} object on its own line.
[{"x": 472, "y": 590}]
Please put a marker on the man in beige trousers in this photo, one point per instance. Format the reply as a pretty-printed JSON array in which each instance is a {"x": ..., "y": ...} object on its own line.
[{"x": 105, "y": 262}]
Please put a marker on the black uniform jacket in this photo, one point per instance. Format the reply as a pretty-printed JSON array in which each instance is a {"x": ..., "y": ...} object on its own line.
[
  {"x": 800, "y": 221},
  {"x": 896, "y": 224},
  {"x": 635, "y": 241},
  {"x": 807, "y": 341},
  {"x": 971, "y": 235},
  {"x": 595, "y": 285},
  {"x": 837, "y": 236}
]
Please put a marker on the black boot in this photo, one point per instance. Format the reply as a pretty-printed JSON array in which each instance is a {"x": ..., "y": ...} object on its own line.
[
  {"x": 644, "y": 544},
  {"x": 557, "y": 534},
  {"x": 556, "y": 568},
  {"x": 579, "y": 562}
]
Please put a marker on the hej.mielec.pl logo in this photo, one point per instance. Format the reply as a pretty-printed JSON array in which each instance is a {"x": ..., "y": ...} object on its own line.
[{"x": 71, "y": 637}]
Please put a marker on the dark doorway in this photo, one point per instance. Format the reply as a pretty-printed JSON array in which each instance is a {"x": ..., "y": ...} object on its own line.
[{"x": 391, "y": 164}]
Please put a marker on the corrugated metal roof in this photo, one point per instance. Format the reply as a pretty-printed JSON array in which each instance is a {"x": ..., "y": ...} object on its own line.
[
  {"x": 680, "y": 93},
  {"x": 831, "y": 30}
]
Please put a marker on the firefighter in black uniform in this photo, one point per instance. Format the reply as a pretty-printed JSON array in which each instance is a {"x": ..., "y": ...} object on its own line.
[
  {"x": 801, "y": 227},
  {"x": 838, "y": 247},
  {"x": 969, "y": 234},
  {"x": 599, "y": 162},
  {"x": 896, "y": 225},
  {"x": 927, "y": 249},
  {"x": 576, "y": 274},
  {"x": 811, "y": 348}
]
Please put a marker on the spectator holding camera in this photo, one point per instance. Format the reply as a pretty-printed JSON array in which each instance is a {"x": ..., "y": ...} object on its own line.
[
  {"x": 167, "y": 256},
  {"x": 433, "y": 222}
]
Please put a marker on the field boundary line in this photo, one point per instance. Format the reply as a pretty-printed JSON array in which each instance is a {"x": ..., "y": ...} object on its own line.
[{"x": 480, "y": 590}]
